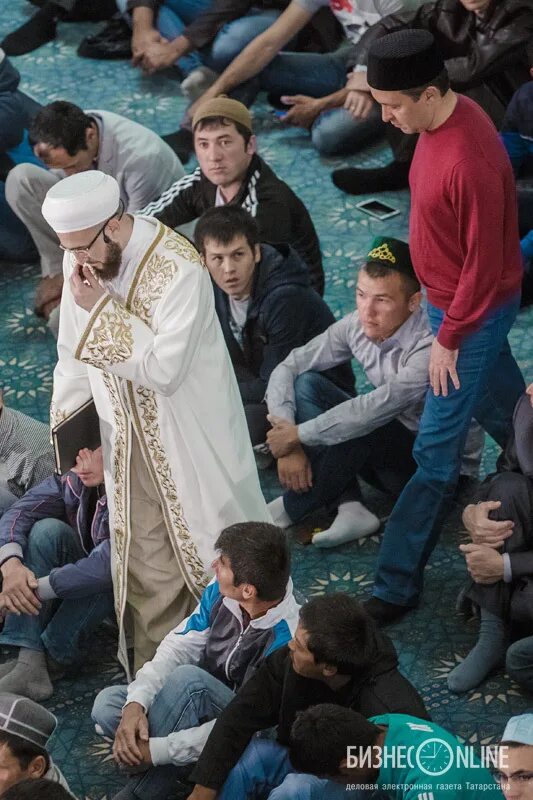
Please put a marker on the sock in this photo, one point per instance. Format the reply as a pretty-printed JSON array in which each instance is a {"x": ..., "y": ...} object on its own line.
[
  {"x": 29, "y": 677},
  {"x": 487, "y": 654},
  {"x": 353, "y": 521},
  {"x": 278, "y": 513},
  {"x": 365, "y": 181},
  {"x": 38, "y": 30}
]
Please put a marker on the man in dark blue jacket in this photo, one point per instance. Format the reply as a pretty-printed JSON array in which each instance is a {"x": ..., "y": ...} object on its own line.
[
  {"x": 265, "y": 304},
  {"x": 54, "y": 545},
  {"x": 16, "y": 112}
]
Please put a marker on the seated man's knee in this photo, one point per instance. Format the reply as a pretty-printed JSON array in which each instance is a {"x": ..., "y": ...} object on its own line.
[
  {"x": 519, "y": 657},
  {"x": 325, "y": 135},
  {"x": 307, "y": 384},
  {"x": 509, "y": 488},
  {"x": 20, "y": 180},
  {"x": 107, "y": 709},
  {"x": 46, "y": 536}
]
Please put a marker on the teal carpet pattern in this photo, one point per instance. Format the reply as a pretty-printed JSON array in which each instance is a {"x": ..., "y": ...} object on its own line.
[{"x": 432, "y": 640}]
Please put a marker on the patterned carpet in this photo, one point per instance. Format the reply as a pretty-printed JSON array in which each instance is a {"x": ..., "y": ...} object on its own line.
[{"x": 430, "y": 641}]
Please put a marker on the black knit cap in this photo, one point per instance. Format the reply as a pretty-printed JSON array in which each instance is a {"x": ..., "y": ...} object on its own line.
[{"x": 403, "y": 60}]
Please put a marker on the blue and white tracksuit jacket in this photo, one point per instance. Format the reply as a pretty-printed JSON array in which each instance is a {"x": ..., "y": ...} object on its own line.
[{"x": 212, "y": 638}]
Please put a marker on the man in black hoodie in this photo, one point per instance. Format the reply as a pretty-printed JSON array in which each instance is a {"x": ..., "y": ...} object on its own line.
[
  {"x": 338, "y": 656},
  {"x": 231, "y": 173},
  {"x": 265, "y": 305}
]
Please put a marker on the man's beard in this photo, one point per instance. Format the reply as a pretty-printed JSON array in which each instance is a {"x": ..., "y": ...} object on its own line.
[{"x": 109, "y": 269}]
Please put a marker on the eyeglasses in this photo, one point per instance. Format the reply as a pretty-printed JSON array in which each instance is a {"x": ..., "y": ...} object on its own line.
[
  {"x": 520, "y": 777},
  {"x": 76, "y": 251}
]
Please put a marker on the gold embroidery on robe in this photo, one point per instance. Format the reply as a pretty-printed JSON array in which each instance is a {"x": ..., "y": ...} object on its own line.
[{"x": 109, "y": 339}]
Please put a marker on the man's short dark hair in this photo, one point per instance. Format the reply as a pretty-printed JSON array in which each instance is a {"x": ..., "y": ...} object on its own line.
[
  {"x": 321, "y": 734},
  {"x": 340, "y": 632},
  {"x": 208, "y": 123},
  {"x": 223, "y": 224},
  {"x": 61, "y": 124},
  {"x": 41, "y": 789},
  {"x": 441, "y": 82},
  {"x": 23, "y": 750},
  {"x": 259, "y": 554},
  {"x": 375, "y": 269}
]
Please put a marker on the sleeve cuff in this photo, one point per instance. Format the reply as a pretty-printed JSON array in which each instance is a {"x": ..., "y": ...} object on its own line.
[
  {"x": 44, "y": 589},
  {"x": 449, "y": 339},
  {"x": 10, "y": 550},
  {"x": 507, "y": 570},
  {"x": 307, "y": 433},
  {"x": 159, "y": 751}
]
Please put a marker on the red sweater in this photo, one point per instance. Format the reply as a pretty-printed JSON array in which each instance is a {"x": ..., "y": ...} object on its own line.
[{"x": 463, "y": 226}]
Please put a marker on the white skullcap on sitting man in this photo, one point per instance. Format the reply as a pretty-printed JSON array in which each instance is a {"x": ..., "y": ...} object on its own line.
[{"x": 81, "y": 201}]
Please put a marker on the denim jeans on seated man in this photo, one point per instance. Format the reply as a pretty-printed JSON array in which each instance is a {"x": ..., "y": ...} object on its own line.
[
  {"x": 61, "y": 625},
  {"x": 265, "y": 772},
  {"x": 189, "y": 697},
  {"x": 385, "y": 452},
  {"x": 491, "y": 384},
  {"x": 175, "y": 15}
]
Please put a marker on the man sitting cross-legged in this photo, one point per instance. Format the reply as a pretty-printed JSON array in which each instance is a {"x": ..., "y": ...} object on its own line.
[
  {"x": 161, "y": 721},
  {"x": 54, "y": 546},
  {"x": 265, "y": 305},
  {"x": 356, "y": 753},
  {"x": 322, "y": 435},
  {"x": 231, "y": 173},
  {"x": 337, "y": 656}
]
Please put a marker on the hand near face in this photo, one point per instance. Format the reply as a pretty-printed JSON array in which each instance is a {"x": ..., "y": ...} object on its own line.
[
  {"x": 85, "y": 288},
  {"x": 90, "y": 466}
]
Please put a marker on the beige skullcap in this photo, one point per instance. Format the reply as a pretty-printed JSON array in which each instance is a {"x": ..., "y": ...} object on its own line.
[{"x": 224, "y": 107}]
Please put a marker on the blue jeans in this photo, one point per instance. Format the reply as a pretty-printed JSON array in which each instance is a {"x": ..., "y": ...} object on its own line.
[
  {"x": 173, "y": 18},
  {"x": 6, "y": 499},
  {"x": 16, "y": 243},
  {"x": 385, "y": 453},
  {"x": 234, "y": 37},
  {"x": 519, "y": 662},
  {"x": 313, "y": 74},
  {"x": 189, "y": 697},
  {"x": 491, "y": 384},
  {"x": 61, "y": 625},
  {"x": 264, "y": 771},
  {"x": 337, "y": 133}
]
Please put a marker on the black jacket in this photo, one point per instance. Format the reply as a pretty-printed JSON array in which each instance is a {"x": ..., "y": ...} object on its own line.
[
  {"x": 280, "y": 214},
  {"x": 489, "y": 49},
  {"x": 276, "y": 693},
  {"x": 284, "y": 313}
]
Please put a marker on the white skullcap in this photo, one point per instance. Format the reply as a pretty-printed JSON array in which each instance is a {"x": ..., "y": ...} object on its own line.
[{"x": 81, "y": 201}]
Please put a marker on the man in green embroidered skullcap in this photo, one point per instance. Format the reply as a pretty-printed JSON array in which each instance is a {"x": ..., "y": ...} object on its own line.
[{"x": 323, "y": 437}]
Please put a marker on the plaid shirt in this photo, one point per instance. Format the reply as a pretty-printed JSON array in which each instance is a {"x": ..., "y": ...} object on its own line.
[{"x": 26, "y": 455}]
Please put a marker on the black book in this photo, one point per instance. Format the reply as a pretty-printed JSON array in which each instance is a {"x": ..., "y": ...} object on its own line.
[{"x": 80, "y": 429}]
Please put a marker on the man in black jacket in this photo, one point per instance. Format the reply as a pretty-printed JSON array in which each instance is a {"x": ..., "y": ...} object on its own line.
[
  {"x": 264, "y": 303},
  {"x": 483, "y": 43},
  {"x": 337, "y": 656},
  {"x": 231, "y": 173}
]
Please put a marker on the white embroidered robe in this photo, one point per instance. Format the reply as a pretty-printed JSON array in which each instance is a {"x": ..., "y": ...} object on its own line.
[{"x": 155, "y": 361}]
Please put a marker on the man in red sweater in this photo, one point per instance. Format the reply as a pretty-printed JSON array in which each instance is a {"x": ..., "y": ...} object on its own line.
[{"x": 466, "y": 253}]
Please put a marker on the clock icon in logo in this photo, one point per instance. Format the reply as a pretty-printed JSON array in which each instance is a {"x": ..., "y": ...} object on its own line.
[{"x": 434, "y": 756}]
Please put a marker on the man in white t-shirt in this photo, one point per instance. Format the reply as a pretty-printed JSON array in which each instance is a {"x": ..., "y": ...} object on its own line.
[{"x": 312, "y": 83}]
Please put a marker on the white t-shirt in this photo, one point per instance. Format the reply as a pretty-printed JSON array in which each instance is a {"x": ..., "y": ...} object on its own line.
[
  {"x": 356, "y": 16},
  {"x": 238, "y": 312}
]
